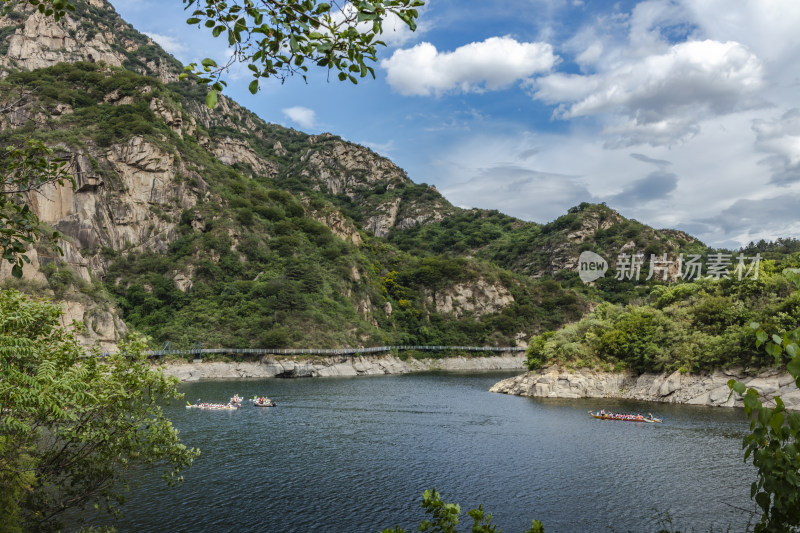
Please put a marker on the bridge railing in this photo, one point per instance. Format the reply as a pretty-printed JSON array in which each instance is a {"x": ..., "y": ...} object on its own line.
[{"x": 199, "y": 352}]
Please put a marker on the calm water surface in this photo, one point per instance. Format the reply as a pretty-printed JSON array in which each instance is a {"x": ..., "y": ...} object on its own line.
[{"x": 355, "y": 454}]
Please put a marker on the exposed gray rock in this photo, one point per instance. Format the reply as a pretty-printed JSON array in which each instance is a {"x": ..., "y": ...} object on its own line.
[
  {"x": 295, "y": 367},
  {"x": 709, "y": 389}
]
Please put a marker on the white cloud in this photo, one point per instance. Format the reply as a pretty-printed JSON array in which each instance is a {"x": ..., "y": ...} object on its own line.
[
  {"x": 693, "y": 186},
  {"x": 768, "y": 27},
  {"x": 490, "y": 65},
  {"x": 660, "y": 98},
  {"x": 170, "y": 44},
  {"x": 591, "y": 54},
  {"x": 780, "y": 138},
  {"x": 302, "y": 116}
]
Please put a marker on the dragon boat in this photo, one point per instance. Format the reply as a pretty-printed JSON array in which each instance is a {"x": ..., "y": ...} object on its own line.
[
  {"x": 623, "y": 417},
  {"x": 213, "y": 406}
]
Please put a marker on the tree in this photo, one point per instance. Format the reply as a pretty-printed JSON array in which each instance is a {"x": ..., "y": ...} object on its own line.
[
  {"x": 276, "y": 38},
  {"x": 445, "y": 517},
  {"x": 72, "y": 423},
  {"x": 25, "y": 170},
  {"x": 774, "y": 438}
]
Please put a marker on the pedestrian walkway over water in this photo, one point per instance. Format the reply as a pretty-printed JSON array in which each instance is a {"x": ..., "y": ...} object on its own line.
[{"x": 198, "y": 351}]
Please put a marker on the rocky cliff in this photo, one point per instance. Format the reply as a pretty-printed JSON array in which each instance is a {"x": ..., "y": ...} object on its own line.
[{"x": 710, "y": 389}]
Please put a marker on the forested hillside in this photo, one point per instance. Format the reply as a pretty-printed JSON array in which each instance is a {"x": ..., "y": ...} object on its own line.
[{"x": 212, "y": 226}]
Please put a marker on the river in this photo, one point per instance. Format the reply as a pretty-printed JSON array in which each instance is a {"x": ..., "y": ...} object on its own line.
[{"x": 355, "y": 454}]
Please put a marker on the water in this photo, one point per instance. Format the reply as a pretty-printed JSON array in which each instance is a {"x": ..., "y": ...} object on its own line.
[{"x": 355, "y": 454}]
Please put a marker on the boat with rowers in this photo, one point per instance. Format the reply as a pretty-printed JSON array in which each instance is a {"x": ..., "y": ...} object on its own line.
[
  {"x": 263, "y": 402},
  {"x": 212, "y": 406},
  {"x": 623, "y": 417}
]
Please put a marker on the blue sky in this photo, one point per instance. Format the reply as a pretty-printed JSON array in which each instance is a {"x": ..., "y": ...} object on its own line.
[{"x": 680, "y": 114}]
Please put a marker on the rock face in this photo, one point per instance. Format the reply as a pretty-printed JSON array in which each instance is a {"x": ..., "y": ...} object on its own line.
[
  {"x": 343, "y": 169},
  {"x": 39, "y": 43},
  {"x": 119, "y": 215},
  {"x": 711, "y": 389},
  {"x": 478, "y": 298},
  {"x": 94, "y": 34},
  {"x": 230, "y": 151},
  {"x": 270, "y": 367}
]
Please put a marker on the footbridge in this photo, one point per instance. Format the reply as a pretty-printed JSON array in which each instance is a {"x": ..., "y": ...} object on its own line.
[{"x": 198, "y": 351}]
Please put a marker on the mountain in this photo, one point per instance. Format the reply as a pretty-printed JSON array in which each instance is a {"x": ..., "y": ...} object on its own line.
[{"x": 213, "y": 226}]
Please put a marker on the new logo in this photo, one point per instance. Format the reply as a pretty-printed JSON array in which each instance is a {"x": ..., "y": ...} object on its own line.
[{"x": 591, "y": 266}]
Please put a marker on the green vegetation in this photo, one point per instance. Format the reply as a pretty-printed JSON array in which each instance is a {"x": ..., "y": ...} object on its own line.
[
  {"x": 775, "y": 434},
  {"x": 691, "y": 326},
  {"x": 72, "y": 425},
  {"x": 544, "y": 251},
  {"x": 24, "y": 168},
  {"x": 294, "y": 34},
  {"x": 446, "y": 516}
]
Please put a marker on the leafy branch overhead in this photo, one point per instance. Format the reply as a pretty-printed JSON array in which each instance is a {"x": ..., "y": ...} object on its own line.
[
  {"x": 25, "y": 170},
  {"x": 774, "y": 435},
  {"x": 277, "y": 39}
]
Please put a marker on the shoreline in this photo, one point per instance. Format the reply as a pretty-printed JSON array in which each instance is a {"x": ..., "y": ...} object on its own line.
[
  {"x": 691, "y": 389},
  {"x": 338, "y": 366}
]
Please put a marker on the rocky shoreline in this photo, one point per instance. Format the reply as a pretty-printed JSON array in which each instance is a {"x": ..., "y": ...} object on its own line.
[
  {"x": 709, "y": 389},
  {"x": 299, "y": 367}
]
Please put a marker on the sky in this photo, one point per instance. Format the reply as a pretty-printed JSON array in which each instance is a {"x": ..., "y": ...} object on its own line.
[{"x": 681, "y": 114}]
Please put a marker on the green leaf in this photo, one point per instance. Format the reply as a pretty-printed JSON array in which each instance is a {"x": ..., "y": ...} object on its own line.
[
  {"x": 793, "y": 367},
  {"x": 737, "y": 386},
  {"x": 751, "y": 401},
  {"x": 776, "y": 421},
  {"x": 791, "y": 349},
  {"x": 193, "y": 20},
  {"x": 763, "y": 501},
  {"x": 211, "y": 99},
  {"x": 253, "y": 86}
]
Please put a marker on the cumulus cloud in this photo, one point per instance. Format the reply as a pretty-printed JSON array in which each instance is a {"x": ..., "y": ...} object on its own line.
[
  {"x": 780, "y": 139},
  {"x": 769, "y": 28},
  {"x": 302, "y": 116},
  {"x": 170, "y": 44},
  {"x": 660, "y": 98},
  {"x": 489, "y": 65}
]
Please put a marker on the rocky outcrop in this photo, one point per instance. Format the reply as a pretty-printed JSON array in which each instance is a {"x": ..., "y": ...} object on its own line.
[
  {"x": 102, "y": 326},
  {"x": 230, "y": 151},
  {"x": 343, "y": 169},
  {"x": 339, "y": 168},
  {"x": 296, "y": 367},
  {"x": 475, "y": 298},
  {"x": 93, "y": 33},
  {"x": 339, "y": 226},
  {"x": 40, "y": 43},
  {"x": 710, "y": 389},
  {"x": 381, "y": 224}
]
